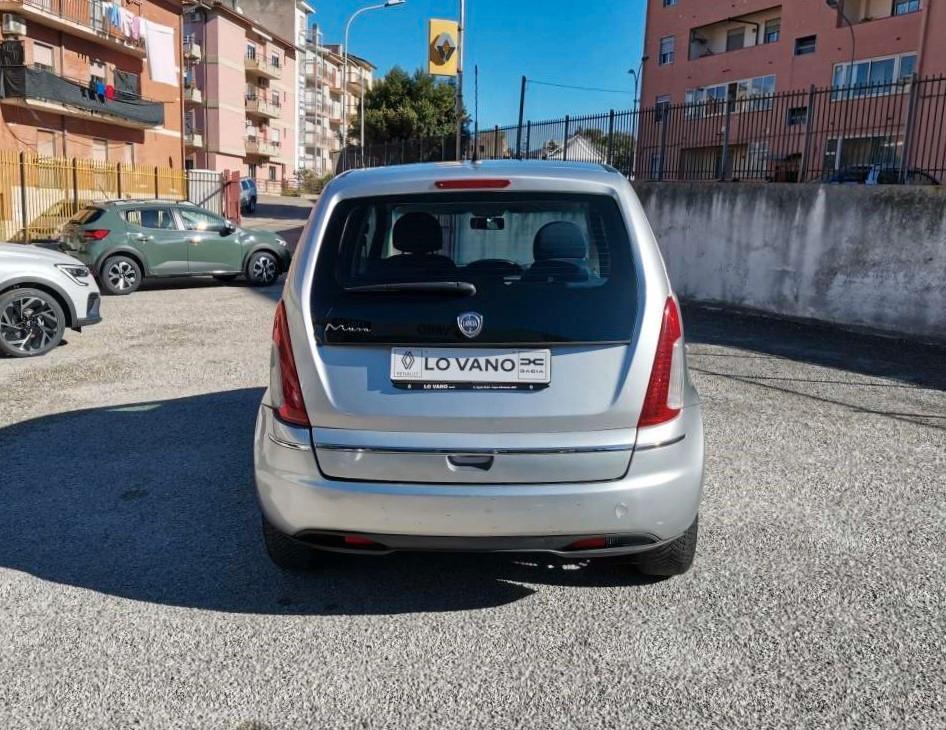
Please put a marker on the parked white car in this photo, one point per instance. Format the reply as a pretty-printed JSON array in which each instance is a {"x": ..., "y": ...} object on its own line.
[{"x": 42, "y": 292}]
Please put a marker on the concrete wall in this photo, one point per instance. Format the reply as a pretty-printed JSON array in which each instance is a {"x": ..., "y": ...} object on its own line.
[{"x": 862, "y": 256}]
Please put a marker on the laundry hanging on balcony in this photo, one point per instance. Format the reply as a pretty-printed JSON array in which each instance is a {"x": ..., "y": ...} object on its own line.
[{"x": 122, "y": 20}]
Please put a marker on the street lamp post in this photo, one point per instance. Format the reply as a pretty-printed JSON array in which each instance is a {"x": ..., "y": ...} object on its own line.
[
  {"x": 459, "y": 98},
  {"x": 380, "y": 6},
  {"x": 835, "y": 5}
]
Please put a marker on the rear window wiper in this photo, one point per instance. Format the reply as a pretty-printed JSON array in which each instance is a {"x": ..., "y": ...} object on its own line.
[{"x": 463, "y": 288}]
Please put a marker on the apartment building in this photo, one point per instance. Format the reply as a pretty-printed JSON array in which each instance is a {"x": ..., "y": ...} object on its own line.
[
  {"x": 239, "y": 94},
  {"x": 329, "y": 99},
  {"x": 716, "y": 58},
  {"x": 693, "y": 48},
  {"x": 92, "y": 79},
  {"x": 288, "y": 19}
]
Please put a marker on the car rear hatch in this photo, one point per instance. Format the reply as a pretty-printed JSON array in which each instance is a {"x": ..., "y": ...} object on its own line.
[
  {"x": 475, "y": 338},
  {"x": 72, "y": 235}
]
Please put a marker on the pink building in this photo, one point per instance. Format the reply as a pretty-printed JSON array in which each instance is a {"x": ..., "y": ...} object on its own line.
[{"x": 239, "y": 95}]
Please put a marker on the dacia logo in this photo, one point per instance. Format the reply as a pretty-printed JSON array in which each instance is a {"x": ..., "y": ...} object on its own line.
[{"x": 470, "y": 324}]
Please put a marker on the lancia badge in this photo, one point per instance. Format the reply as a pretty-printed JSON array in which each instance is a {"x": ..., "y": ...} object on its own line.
[{"x": 470, "y": 324}]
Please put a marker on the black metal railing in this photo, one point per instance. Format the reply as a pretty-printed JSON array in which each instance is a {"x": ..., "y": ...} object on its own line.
[
  {"x": 892, "y": 132},
  {"x": 37, "y": 82}
]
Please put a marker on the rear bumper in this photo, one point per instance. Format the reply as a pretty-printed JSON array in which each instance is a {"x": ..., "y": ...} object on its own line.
[{"x": 656, "y": 501}]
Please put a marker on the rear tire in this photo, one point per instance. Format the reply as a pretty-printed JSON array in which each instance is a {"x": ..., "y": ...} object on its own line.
[
  {"x": 120, "y": 275},
  {"x": 262, "y": 269},
  {"x": 286, "y": 553},
  {"x": 32, "y": 322},
  {"x": 674, "y": 558}
]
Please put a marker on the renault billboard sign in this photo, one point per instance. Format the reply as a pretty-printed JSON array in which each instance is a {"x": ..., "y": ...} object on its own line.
[{"x": 442, "y": 48}]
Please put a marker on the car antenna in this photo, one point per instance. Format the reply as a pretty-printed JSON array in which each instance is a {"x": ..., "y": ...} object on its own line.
[{"x": 476, "y": 113}]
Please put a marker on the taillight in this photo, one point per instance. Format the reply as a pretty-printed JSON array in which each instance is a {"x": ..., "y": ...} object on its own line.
[
  {"x": 96, "y": 234},
  {"x": 473, "y": 183},
  {"x": 287, "y": 394},
  {"x": 664, "y": 397}
]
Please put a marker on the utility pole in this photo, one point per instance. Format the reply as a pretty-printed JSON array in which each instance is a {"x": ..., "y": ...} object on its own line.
[
  {"x": 460, "y": 45},
  {"x": 522, "y": 109}
]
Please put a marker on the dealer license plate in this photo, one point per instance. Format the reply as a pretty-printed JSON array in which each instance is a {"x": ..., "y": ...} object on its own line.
[{"x": 463, "y": 369}]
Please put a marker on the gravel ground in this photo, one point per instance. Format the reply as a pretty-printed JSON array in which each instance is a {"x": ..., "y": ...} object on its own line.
[{"x": 134, "y": 590}]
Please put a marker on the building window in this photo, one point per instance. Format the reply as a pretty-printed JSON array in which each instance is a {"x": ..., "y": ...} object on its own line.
[
  {"x": 661, "y": 107},
  {"x": 805, "y": 45},
  {"x": 45, "y": 143},
  {"x": 275, "y": 98},
  {"x": 43, "y": 56},
  {"x": 667, "y": 45},
  {"x": 97, "y": 71},
  {"x": 272, "y": 173},
  {"x": 100, "y": 150},
  {"x": 797, "y": 115},
  {"x": 873, "y": 77},
  {"x": 903, "y": 7},
  {"x": 750, "y": 95},
  {"x": 250, "y": 51},
  {"x": 128, "y": 153},
  {"x": 251, "y": 170},
  {"x": 669, "y": 3},
  {"x": 127, "y": 84},
  {"x": 772, "y": 30},
  {"x": 735, "y": 39},
  {"x": 274, "y": 60}
]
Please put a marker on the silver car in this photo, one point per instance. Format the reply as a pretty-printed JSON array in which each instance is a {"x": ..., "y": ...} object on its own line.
[
  {"x": 480, "y": 357},
  {"x": 42, "y": 293}
]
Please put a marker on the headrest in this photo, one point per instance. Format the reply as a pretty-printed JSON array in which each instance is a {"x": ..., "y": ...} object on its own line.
[
  {"x": 559, "y": 240},
  {"x": 417, "y": 233}
]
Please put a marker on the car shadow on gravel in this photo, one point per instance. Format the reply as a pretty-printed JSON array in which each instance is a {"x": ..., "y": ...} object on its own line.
[{"x": 155, "y": 502}]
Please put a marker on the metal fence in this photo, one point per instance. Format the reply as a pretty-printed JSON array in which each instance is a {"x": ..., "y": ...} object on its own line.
[
  {"x": 39, "y": 194},
  {"x": 892, "y": 132}
]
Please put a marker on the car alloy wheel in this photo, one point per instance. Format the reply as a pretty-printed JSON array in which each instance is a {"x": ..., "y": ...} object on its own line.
[
  {"x": 121, "y": 276},
  {"x": 263, "y": 269},
  {"x": 30, "y": 323}
]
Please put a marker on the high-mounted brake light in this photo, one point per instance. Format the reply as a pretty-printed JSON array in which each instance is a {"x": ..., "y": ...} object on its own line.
[
  {"x": 473, "y": 183},
  {"x": 664, "y": 397},
  {"x": 95, "y": 235},
  {"x": 288, "y": 394}
]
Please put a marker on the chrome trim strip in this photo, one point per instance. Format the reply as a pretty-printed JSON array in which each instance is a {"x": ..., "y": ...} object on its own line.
[
  {"x": 461, "y": 451},
  {"x": 661, "y": 444},
  {"x": 288, "y": 444}
]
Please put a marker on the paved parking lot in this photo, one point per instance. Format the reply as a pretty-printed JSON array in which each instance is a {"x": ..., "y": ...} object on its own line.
[{"x": 134, "y": 590}]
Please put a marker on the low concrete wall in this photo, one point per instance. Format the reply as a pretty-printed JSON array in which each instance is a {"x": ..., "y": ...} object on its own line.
[{"x": 861, "y": 256}]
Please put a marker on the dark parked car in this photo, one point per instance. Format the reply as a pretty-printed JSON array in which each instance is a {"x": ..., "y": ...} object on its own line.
[
  {"x": 125, "y": 241},
  {"x": 877, "y": 175},
  {"x": 247, "y": 195}
]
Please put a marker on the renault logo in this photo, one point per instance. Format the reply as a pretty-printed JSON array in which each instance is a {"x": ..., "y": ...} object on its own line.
[{"x": 470, "y": 324}]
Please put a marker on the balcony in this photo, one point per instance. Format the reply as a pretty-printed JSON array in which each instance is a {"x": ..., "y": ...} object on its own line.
[
  {"x": 42, "y": 90},
  {"x": 194, "y": 140},
  {"x": 735, "y": 34},
  {"x": 193, "y": 95},
  {"x": 258, "y": 106},
  {"x": 864, "y": 11},
  {"x": 260, "y": 67},
  {"x": 81, "y": 18},
  {"x": 192, "y": 50},
  {"x": 261, "y": 147}
]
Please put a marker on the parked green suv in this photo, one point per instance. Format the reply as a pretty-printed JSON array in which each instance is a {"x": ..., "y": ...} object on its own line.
[{"x": 124, "y": 241}]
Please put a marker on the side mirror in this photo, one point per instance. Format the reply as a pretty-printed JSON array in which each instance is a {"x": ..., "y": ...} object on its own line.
[{"x": 227, "y": 229}]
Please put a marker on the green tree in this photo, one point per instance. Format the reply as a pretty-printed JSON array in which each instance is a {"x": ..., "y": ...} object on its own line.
[{"x": 401, "y": 106}]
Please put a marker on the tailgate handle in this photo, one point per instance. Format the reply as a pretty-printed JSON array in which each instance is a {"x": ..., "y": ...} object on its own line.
[{"x": 483, "y": 462}]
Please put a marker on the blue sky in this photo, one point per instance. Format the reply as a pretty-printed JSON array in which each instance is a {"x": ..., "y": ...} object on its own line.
[{"x": 588, "y": 43}]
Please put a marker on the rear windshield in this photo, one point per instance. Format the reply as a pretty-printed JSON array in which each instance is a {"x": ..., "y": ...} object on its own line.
[
  {"x": 86, "y": 215},
  {"x": 538, "y": 268}
]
